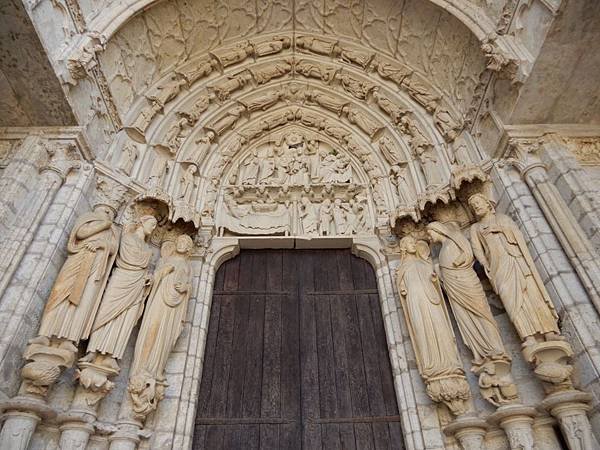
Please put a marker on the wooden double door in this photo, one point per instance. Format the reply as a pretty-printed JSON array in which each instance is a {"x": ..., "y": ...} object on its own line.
[{"x": 296, "y": 356}]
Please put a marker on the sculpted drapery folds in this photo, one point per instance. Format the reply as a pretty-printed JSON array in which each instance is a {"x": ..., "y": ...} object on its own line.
[
  {"x": 76, "y": 294},
  {"x": 477, "y": 327},
  {"x": 161, "y": 325},
  {"x": 500, "y": 247},
  {"x": 429, "y": 326},
  {"x": 123, "y": 300},
  {"x": 466, "y": 295}
]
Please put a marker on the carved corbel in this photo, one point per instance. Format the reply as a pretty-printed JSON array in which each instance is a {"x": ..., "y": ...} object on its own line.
[
  {"x": 494, "y": 50},
  {"x": 84, "y": 58}
]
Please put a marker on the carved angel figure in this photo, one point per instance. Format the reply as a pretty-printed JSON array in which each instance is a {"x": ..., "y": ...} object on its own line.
[
  {"x": 352, "y": 56},
  {"x": 421, "y": 93},
  {"x": 501, "y": 249},
  {"x": 400, "y": 177},
  {"x": 77, "y": 291},
  {"x": 357, "y": 88},
  {"x": 123, "y": 300},
  {"x": 446, "y": 124},
  {"x": 230, "y": 56},
  {"x": 196, "y": 153},
  {"x": 315, "y": 70},
  {"x": 229, "y": 120},
  {"x": 167, "y": 304},
  {"x": 390, "y": 108},
  {"x": 335, "y": 104},
  {"x": 163, "y": 94},
  {"x": 397, "y": 74},
  {"x": 274, "y": 69}
]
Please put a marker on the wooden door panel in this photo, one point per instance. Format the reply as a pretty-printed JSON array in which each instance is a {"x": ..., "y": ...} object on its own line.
[{"x": 296, "y": 356}]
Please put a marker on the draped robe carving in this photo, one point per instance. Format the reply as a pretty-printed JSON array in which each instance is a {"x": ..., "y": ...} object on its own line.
[
  {"x": 428, "y": 319},
  {"x": 500, "y": 247},
  {"x": 167, "y": 304},
  {"x": 431, "y": 333},
  {"x": 123, "y": 300},
  {"x": 76, "y": 294},
  {"x": 467, "y": 298}
]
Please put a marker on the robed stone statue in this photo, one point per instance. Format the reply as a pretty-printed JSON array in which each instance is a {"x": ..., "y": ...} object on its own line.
[
  {"x": 161, "y": 325},
  {"x": 76, "y": 294},
  {"x": 500, "y": 247},
  {"x": 128, "y": 286},
  {"x": 429, "y": 326},
  {"x": 465, "y": 293}
]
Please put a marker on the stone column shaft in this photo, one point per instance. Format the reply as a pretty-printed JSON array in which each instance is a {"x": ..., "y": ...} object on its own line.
[
  {"x": 577, "y": 246},
  {"x": 575, "y": 243},
  {"x": 517, "y": 423},
  {"x": 36, "y": 205}
]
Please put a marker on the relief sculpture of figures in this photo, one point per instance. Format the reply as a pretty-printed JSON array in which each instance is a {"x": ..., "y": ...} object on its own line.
[
  {"x": 187, "y": 184},
  {"x": 308, "y": 216},
  {"x": 129, "y": 155},
  {"x": 401, "y": 178},
  {"x": 273, "y": 46},
  {"x": 501, "y": 249},
  {"x": 76, "y": 294},
  {"x": 123, "y": 300},
  {"x": 365, "y": 123},
  {"x": 472, "y": 313},
  {"x": 161, "y": 325},
  {"x": 430, "y": 329},
  {"x": 195, "y": 154}
]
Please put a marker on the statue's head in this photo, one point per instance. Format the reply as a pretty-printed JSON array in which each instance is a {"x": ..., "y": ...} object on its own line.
[
  {"x": 184, "y": 244},
  {"x": 437, "y": 232},
  {"x": 408, "y": 244},
  {"x": 148, "y": 224},
  {"x": 105, "y": 210},
  {"x": 480, "y": 205}
]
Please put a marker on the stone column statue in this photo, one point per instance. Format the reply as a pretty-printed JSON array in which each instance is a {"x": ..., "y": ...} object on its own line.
[
  {"x": 123, "y": 300},
  {"x": 67, "y": 318},
  {"x": 500, "y": 247},
  {"x": 472, "y": 313},
  {"x": 76, "y": 294},
  {"x": 431, "y": 333},
  {"x": 120, "y": 309},
  {"x": 161, "y": 326}
]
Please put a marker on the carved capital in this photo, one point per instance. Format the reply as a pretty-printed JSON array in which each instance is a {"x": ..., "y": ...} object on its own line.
[
  {"x": 59, "y": 157},
  {"x": 451, "y": 390},
  {"x": 523, "y": 154}
]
